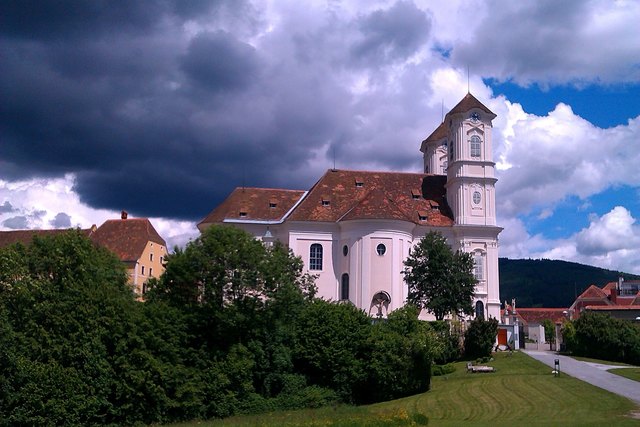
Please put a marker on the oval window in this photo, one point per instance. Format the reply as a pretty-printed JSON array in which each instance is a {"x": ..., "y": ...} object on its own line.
[
  {"x": 477, "y": 197},
  {"x": 345, "y": 250},
  {"x": 381, "y": 249}
]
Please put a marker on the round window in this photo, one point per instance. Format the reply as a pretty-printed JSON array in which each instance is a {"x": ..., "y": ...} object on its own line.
[
  {"x": 345, "y": 250},
  {"x": 381, "y": 249},
  {"x": 477, "y": 197}
]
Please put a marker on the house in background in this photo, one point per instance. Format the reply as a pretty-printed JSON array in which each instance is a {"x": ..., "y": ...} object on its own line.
[
  {"x": 531, "y": 330},
  {"x": 137, "y": 244},
  {"x": 133, "y": 240},
  {"x": 354, "y": 229},
  {"x": 619, "y": 299}
]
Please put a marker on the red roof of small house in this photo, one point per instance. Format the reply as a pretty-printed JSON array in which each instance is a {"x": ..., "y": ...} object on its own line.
[
  {"x": 25, "y": 237},
  {"x": 538, "y": 315},
  {"x": 593, "y": 292},
  {"x": 257, "y": 204},
  {"x": 377, "y": 195},
  {"x": 127, "y": 238}
]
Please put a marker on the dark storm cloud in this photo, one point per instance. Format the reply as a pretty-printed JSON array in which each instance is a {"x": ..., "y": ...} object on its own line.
[
  {"x": 395, "y": 33},
  {"x": 163, "y": 121},
  {"x": 218, "y": 62},
  {"x": 16, "y": 223},
  {"x": 63, "y": 19},
  {"x": 61, "y": 220}
]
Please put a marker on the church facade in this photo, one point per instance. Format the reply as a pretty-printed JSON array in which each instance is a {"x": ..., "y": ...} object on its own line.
[{"x": 354, "y": 229}]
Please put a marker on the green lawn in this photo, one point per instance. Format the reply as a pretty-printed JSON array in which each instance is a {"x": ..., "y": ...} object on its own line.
[
  {"x": 603, "y": 362},
  {"x": 521, "y": 392},
  {"x": 631, "y": 373}
]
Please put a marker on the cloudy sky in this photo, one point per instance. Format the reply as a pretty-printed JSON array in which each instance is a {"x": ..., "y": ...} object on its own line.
[{"x": 162, "y": 107}]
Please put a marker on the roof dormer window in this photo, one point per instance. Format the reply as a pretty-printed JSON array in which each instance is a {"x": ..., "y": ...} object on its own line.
[
  {"x": 359, "y": 183},
  {"x": 422, "y": 215},
  {"x": 416, "y": 194},
  {"x": 273, "y": 203},
  {"x": 326, "y": 201},
  {"x": 243, "y": 213}
]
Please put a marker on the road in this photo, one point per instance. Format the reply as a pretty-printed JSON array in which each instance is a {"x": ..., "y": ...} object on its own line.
[{"x": 592, "y": 373}]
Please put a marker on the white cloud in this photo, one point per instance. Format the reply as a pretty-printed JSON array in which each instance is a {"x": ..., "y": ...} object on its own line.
[
  {"x": 611, "y": 241},
  {"x": 548, "y": 42},
  {"x": 612, "y": 232},
  {"x": 41, "y": 203},
  {"x": 542, "y": 160}
]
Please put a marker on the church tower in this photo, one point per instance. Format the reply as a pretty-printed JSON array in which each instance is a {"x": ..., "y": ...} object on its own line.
[
  {"x": 471, "y": 169},
  {"x": 461, "y": 148}
]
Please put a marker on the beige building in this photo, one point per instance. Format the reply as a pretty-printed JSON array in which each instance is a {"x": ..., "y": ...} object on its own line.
[{"x": 137, "y": 244}]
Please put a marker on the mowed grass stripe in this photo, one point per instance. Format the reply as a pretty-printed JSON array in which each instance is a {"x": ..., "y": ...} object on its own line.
[{"x": 522, "y": 392}]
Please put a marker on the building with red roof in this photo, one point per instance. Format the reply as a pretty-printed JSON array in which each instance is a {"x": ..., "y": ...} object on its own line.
[
  {"x": 137, "y": 244},
  {"x": 354, "y": 229},
  {"x": 619, "y": 299},
  {"x": 133, "y": 240}
]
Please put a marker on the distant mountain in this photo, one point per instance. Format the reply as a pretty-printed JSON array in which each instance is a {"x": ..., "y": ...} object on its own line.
[{"x": 550, "y": 283}]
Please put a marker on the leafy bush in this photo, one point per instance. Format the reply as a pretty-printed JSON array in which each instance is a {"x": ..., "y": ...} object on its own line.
[
  {"x": 76, "y": 348},
  {"x": 600, "y": 336},
  {"x": 439, "y": 370},
  {"x": 449, "y": 341},
  {"x": 480, "y": 338}
]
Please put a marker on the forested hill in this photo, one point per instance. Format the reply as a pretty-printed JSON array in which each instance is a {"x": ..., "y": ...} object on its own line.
[{"x": 550, "y": 283}]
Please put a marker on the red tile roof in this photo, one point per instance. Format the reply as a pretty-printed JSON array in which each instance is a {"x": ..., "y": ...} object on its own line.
[
  {"x": 256, "y": 203},
  {"x": 383, "y": 195},
  {"x": 26, "y": 236},
  {"x": 469, "y": 102},
  {"x": 609, "y": 287},
  {"x": 593, "y": 292},
  {"x": 538, "y": 315},
  {"x": 127, "y": 238}
]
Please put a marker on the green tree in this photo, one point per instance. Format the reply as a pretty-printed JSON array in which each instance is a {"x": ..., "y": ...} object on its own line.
[
  {"x": 440, "y": 280},
  {"x": 549, "y": 331},
  {"x": 480, "y": 337}
]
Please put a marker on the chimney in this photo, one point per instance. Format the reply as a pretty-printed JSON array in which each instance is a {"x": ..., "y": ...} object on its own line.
[{"x": 124, "y": 215}]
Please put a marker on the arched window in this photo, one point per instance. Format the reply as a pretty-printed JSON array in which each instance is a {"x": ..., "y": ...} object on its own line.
[
  {"x": 315, "y": 257},
  {"x": 479, "y": 310},
  {"x": 344, "y": 288},
  {"x": 478, "y": 268},
  {"x": 475, "y": 146}
]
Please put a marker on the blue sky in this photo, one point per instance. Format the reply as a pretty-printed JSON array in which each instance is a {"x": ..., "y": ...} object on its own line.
[
  {"x": 603, "y": 105},
  {"x": 162, "y": 108}
]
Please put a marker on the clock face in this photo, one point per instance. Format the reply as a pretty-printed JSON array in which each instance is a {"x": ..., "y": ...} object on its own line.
[{"x": 475, "y": 117}]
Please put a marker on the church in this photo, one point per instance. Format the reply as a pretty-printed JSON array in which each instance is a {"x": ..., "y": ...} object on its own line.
[{"x": 354, "y": 229}]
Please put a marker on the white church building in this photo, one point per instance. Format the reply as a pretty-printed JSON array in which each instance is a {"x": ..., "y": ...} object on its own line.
[{"x": 354, "y": 229}]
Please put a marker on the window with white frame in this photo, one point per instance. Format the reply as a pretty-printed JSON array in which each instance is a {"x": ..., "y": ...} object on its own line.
[
  {"x": 315, "y": 257},
  {"x": 478, "y": 268},
  {"x": 475, "y": 146}
]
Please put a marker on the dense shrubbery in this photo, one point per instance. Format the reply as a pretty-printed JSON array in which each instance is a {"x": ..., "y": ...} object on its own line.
[
  {"x": 449, "y": 341},
  {"x": 232, "y": 327},
  {"x": 600, "y": 336},
  {"x": 480, "y": 337}
]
